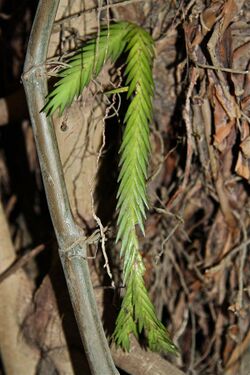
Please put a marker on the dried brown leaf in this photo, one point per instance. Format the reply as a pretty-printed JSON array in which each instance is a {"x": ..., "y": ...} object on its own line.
[
  {"x": 222, "y": 132},
  {"x": 242, "y": 167},
  {"x": 230, "y": 9},
  {"x": 209, "y": 16}
]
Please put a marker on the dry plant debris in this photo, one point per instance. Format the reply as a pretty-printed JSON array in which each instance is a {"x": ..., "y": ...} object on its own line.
[{"x": 199, "y": 225}]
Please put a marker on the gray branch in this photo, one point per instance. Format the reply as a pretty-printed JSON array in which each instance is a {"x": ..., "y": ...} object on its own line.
[{"x": 69, "y": 235}]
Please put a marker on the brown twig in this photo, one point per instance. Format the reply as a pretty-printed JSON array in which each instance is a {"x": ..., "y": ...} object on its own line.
[
  {"x": 140, "y": 362},
  {"x": 238, "y": 352},
  {"x": 20, "y": 262},
  {"x": 215, "y": 171},
  {"x": 226, "y": 259},
  {"x": 189, "y": 153}
]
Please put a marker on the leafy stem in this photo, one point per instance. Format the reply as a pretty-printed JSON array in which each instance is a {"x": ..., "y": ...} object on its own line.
[
  {"x": 137, "y": 314},
  {"x": 85, "y": 65}
]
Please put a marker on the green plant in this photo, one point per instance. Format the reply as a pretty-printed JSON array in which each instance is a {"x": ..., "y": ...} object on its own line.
[{"x": 137, "y": 314}]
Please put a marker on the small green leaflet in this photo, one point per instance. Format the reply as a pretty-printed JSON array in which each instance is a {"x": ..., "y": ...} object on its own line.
[{"x": 85, "y": 65}]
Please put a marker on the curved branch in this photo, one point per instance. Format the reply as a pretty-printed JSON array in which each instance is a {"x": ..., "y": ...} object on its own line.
[
  {"x": 70, "y": 238},
  {"x": 142, "y": 362}
]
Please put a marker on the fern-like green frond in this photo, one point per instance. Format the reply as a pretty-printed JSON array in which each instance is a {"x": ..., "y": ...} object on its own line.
[
  {"x": 126, "y": 324},
  {"x": 132, "y": 195},
  {"x": 137, "y": 312},
  {"x": 86, "y": 65}
]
